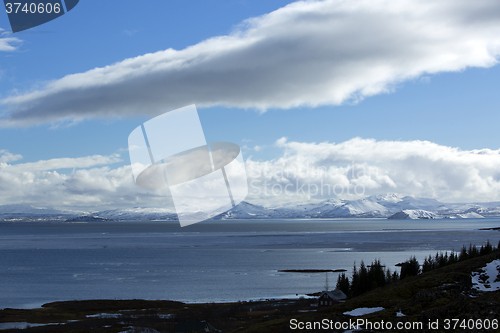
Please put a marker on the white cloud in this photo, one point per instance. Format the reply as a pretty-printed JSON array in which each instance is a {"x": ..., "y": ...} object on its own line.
[
  {"x": 347, "y": 170},
  {"x": 361, "y": 167},
  {"x": 66, "y": 163},
  {"x": 307, "y": 53},
  {"x": 88, "y": 187},
  {"x": 9, "y": 43},
  {"x": 6, "y": 156}
]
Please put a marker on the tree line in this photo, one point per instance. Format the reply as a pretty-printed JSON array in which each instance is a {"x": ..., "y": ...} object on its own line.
[{"x": 366, "y": 278}]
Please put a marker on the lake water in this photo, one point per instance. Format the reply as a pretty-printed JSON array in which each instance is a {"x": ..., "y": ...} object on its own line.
[{"x": 212, "y": 261}]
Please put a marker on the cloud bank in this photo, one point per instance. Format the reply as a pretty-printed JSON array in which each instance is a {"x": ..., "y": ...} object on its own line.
[
  {"x": 360, "y": 167},
  {"x": 93, "y": 183},
  {"x": 305, "y": 171},
  {"x": 308, "y": 53}
]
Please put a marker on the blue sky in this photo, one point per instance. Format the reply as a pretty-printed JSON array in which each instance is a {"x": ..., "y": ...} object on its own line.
[
  {"x": 432, "y": 86},
  {"x": 98, "y": 34}
]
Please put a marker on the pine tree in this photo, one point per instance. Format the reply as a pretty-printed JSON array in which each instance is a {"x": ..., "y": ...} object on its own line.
[
  {"x": 355, "y": 288},
  {"x": 442, "y": 260},
  {"x": 409, "y": 268},
  {"x": 364, "y": 282},
  {"x": 487, "y": 249},
  {"x": 343, "y": 284},
  {"x": 427, "y": 266},
  {"x": 473, "y": 252},
  {"x": 388, "y": 276},
  {"x": 376, "y": 274},
  {"x": 453, "y": 258},
  {"x": 463, "y": 254}
]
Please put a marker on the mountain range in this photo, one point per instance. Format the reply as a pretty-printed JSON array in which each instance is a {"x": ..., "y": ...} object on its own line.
[{"x": 390, "y": 206}]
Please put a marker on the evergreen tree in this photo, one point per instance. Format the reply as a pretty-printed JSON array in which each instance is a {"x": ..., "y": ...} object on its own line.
[
  {"x": 355, "y": 288},
  {"x": 343, "y": 284},
  {"x": 427, "y": 266},
  {"x": 442, "y": 260},
  {"x": 388, "y": 276},
  {"x": 395, "y": 277},
  {"x": 453, "y": 258},
  {"x": 409, "y": 268},
  {"x": 487, "y": 249},
  {"x": 364, "y": 282},
  {"x": 365, "y": 279},
  {"x": 463, "y": 254},
  {"x": 473, "y": 252},
  {"x": 376, "y": 274}
]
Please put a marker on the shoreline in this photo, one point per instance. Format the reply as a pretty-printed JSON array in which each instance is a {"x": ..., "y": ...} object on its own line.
[
  {"x": 312, "y": 270},
  {"x": 427, "y": 296},
  {"x": 42, "y": 304}
]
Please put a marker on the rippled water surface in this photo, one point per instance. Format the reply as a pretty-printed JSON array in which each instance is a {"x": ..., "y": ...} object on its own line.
[{"x": 208, "y": 262}]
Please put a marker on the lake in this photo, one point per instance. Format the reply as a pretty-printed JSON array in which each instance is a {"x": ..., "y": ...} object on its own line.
[{"x": 212, "y": 261}]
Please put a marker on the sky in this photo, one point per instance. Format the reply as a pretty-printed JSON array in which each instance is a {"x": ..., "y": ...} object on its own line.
[{"x": 372, "y": 97}]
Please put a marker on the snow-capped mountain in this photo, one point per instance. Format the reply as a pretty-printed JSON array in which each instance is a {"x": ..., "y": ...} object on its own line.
[
  {"x": 22, "y": 212},
  {"x": 413, "y": 214},
  {"x": 381, "y": 206},
  {"x": 470, "y": 215},
  {"x": 247, "y": 210},
  {"x": 132, "y": 214}
]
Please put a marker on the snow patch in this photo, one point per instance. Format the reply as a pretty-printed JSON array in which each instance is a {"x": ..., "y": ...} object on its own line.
[
  {"x": 362, "y": 311},
  {"x": 104, "y": 315},
  {"x": 21, "y": 325},
  {"x": 488, "y": 277},
  {"x": 470, "y": 215},
  {"x": 413, "y": 214}
]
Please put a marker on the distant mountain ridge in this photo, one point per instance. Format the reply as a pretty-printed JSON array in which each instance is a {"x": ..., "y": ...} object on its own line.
[
  {"x": 390, "y": 206},
  {"x": 22, "y": 212},
  {"x": 381, "y": 206}
]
